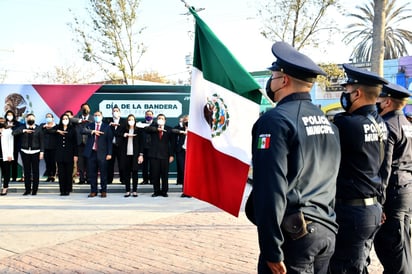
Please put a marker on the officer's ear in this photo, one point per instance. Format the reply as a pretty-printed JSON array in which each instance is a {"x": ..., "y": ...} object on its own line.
[
  {"x": 357, "y": 92},
  {"x": 285, "y": 79}
]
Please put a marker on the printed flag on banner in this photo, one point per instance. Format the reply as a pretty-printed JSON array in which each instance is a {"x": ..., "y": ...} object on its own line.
[{"x": 224, "y": 104}]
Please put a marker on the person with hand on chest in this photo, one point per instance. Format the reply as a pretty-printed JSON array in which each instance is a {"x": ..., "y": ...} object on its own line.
[
  {"x": 32, "y": 151},
  {"x": 98, "y": 151},
  {"x": 160, "y": 154},
  {"x": 117, "y": 125}
]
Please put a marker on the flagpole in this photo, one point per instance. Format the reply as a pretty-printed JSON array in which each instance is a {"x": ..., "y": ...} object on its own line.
[{"x": 186, "y": 4}]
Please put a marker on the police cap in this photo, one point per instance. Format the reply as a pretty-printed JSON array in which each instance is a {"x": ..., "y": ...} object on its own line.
[
  {"x": 394, "y": 91},
  {"x": 294, "y": 63},
  {"x": 363, "y": 77}
]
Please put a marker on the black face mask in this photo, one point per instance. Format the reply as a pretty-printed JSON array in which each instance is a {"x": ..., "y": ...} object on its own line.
[
  {"x": 378, "y": 107},
  {"x": 269, "y": 91},
  {"x": 85, "y": 111},
  {"x": 345, "y": 100},
  {"x": 30, "y": 122},
  {"x": 185, "y": 124}
]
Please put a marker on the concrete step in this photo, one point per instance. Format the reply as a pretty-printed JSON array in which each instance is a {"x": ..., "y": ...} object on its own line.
[{"x": 115, "y": 187}]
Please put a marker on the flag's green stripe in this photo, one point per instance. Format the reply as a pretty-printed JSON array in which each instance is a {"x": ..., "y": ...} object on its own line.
[{"x": 219, "y": 66}]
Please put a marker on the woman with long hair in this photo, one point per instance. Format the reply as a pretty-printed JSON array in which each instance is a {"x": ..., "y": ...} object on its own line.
[
  {"x": 131, "y": 154},
  {"x": 66, "y": 154}
]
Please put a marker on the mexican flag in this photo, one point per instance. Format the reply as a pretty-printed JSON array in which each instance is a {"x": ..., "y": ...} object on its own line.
[{"x": 224, "y": 104}]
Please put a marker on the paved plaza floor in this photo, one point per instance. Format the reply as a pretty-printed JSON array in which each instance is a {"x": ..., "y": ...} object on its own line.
[{"x": 48, "y": 233}]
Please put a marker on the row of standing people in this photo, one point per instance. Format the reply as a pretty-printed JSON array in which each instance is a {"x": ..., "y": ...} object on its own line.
[
  {"x": 324, "y": 193},
  {"x": 88, "y": 144}
]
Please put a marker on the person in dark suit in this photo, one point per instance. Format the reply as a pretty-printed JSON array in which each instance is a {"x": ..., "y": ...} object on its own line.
[
  {"x": 85, "y": 118},
  {"x": 148, "y": 120},
  {"x": 32, "y": 151},
  {"x": 66, "y": 153},
  {"x": 98, "y": 151},
  {"x": 49, "y": 147},
  {"x": 160, "y": 154},
  {"x": 118, "y": 126},
  {"x": 131, "y": 153}
]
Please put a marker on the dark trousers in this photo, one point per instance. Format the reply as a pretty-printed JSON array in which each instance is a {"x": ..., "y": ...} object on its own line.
[
  {"x": 145, "y": 167},
  {"x": 50, "y": 159},
  {"x": 82, "y": 164},
  {"x": 159, "y": 169},
  {"x": 94, "y": 165},
  {"x": 111, "y": 163},
  {"x": 393, "y": 240},
  {"x": 129, "y": 172},
  {"x": 5, "y": 170},
  {"x": 65, "y": 176},
  {"x": 309, "y": 254},
  {"x": 357, "y": 228},
  {"x": 31, "y": 171},
  {"x": 180, "y": 166}
]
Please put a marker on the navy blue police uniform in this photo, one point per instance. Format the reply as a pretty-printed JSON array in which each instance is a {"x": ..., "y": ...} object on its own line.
[
  {"x": 295, "y": 163},
  {"x": 393, "y": 240},
  {"x": 363, "y": 136}
]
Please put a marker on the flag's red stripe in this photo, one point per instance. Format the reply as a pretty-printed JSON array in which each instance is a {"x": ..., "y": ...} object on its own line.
[{"x": 212, "y": 176}]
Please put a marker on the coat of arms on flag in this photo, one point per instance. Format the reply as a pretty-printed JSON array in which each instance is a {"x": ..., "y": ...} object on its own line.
[
  {"x": 216, "y": 114},
  {"x": 218, "y": 155}
]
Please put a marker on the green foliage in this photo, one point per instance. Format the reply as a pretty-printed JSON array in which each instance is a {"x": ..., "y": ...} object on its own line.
[
  {"x": 334, "y": 73},
  {"x": 361, "y": 31}
]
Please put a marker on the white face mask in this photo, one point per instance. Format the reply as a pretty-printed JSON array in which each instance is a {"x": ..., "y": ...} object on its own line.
[
  {"x": 65, "y": 122},
  {"x": 161, "y": 122},
  {"x": 97, "y": 119},
  {"x": 131, "y": 122},
  {"x": 9, "y": 117},
  {"x": 116, "y": 114}
]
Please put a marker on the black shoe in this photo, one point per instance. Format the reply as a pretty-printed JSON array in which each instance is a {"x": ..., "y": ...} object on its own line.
[
  {"x": 135, "y": 194},
  {"x": 81, "y": 182},
  {"x": 34, "y": 193},
  {"x": 165, "y": 195},
  {"x": 4, "y": 191},
  {"x": 26, "y": 193},
  {"x": 127, "y": 194},
  {"x": 48, "y": 179},
  {"x": 144, "y": 183},
  {"x": 155, "y": 195},
  {"x": 52, "y": 179},
  {"x": 185, "y": 196}
]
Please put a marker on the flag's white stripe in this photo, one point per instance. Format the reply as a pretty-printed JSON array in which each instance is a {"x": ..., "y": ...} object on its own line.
[{"x": 236, "y": 140}]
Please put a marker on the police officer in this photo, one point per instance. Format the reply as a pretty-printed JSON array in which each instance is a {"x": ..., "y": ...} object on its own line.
[
  {"x": 393, "y": 240},
  {"x": 295, "y": 164},
  {"x": 362, "y": 136}
]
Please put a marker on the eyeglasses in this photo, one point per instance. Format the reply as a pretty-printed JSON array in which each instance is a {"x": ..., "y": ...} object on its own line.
[{"x": 274, "y": 78}]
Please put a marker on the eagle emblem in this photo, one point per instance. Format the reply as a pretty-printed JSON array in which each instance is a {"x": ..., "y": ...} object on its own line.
[{"x": 216, "y": 114}]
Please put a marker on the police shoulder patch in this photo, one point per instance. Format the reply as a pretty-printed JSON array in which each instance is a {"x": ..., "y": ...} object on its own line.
[{"x": 264, "y": 141}]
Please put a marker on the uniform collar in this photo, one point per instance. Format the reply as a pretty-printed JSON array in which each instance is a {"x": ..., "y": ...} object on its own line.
[
  {"x": 393, "y": 113},
  {"x": 365, "y": 110},
  {"x": 295, "y": 96}
]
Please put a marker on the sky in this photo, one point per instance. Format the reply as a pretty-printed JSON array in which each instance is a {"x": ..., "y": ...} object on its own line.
[{"x": 36, "y": 38}]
